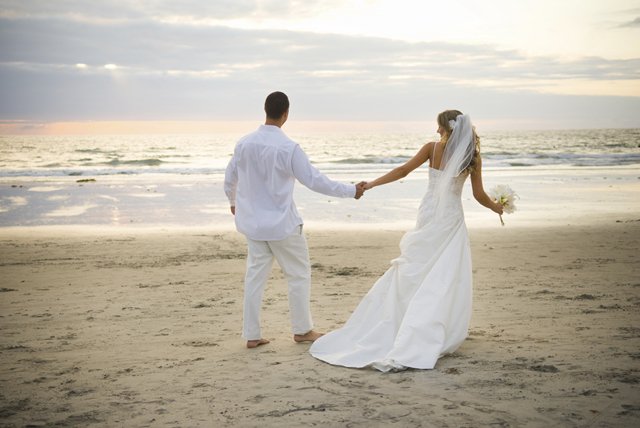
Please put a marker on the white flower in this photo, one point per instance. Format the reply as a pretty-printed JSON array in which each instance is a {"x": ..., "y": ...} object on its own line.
[
  {"x": 506, "y": 197},
  {"x": 452, "y": 124}
]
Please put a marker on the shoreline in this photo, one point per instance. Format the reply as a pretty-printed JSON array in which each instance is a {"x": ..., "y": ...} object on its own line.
[
  {"x": 547, "y": 197},
  {"x": 110, "y": 328},
  {"x": 313, "y": 227}
]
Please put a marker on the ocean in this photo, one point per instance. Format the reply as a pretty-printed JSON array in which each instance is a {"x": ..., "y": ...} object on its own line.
[
  {"x": 87, "y": 156},
  {"x": 176, "y": 180}
]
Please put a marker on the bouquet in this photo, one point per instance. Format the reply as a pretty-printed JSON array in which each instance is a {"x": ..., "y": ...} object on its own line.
[{"x": 503, "y": 195}]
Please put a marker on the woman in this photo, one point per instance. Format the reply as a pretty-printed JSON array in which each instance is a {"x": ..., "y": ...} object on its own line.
[{"x": 421, "y": 307}]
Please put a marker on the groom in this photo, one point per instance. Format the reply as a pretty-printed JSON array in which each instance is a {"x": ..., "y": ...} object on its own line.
[{"x": 259, "y": 184}]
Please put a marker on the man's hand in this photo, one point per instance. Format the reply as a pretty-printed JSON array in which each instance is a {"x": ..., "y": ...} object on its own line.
[
  {"x": 233, "y": 210},
  {"x": 360, "y": 189}
]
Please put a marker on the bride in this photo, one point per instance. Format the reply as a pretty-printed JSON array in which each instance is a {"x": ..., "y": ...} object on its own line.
[{"x": 420, "y": 308}]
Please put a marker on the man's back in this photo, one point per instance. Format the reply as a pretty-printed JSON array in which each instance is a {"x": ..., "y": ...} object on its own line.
[{"x": 264, "y": 201}]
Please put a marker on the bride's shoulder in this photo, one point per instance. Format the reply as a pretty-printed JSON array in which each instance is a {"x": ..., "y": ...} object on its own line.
[
  {"x": 428, "y": 146},
  {"x": 431, "y": 144},
  {"x": 425, "y": 151}
]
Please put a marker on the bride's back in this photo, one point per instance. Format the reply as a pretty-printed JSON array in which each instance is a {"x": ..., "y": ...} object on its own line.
[{"x": 436, "y": 155}]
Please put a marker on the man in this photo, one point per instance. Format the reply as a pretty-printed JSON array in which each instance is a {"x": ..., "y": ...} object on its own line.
[{"x": 259, "y": 183}]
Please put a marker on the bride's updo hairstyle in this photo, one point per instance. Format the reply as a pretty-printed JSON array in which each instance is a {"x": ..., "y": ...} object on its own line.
[{"x": 443, "y": 122}]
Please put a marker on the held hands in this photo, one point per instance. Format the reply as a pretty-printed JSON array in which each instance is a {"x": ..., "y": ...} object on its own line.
[{"x": 360, "y": 188}]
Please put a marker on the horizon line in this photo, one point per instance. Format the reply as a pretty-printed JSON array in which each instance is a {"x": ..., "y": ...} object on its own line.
[{"x": 151, "y": 127}]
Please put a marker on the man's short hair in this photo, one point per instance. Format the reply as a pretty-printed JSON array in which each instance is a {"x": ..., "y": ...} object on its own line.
[{"x": 276, "y": 104}]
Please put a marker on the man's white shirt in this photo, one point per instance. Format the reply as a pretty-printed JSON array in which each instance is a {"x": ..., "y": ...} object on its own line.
[{"x": 259, "y": 182}]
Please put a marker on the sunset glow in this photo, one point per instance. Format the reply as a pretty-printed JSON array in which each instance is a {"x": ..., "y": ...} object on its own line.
[{"x": 339, "y": 60}]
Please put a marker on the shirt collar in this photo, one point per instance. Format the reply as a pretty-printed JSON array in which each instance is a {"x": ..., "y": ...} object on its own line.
[{"x": 270, "y": 128}]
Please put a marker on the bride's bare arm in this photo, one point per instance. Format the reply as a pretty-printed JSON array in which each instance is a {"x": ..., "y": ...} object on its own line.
[
  {"x": 478, "y": 189},
  {"x": 403, "y": 170}
]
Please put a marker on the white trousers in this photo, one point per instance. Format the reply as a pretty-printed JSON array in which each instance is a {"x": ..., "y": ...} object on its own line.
[{"x": 292, "y": 255}]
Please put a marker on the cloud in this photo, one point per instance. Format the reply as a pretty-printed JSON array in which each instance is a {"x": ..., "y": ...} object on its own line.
[
  {"x": 150, "y": 10},
  {"x": 174, "y": 70},
  {"x": 152, "y": 47},
  {"x": 631, "y": 24}
]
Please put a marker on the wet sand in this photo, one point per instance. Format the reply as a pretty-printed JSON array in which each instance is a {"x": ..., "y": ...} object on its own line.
[{"x": 132, "y": 327}]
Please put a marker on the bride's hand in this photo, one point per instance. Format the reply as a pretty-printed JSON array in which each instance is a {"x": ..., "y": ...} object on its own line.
[
  {"x": 499, "y": 209},
  {"x": 368, "y": 186}
]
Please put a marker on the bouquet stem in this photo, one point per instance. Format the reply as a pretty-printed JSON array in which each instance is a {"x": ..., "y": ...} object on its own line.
[{"x": 501, "y": 221}]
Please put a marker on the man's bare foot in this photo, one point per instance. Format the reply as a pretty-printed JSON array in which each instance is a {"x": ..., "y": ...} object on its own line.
[
  {"x": 256, "y": 343},
  {"x": 309, "y": 336}
]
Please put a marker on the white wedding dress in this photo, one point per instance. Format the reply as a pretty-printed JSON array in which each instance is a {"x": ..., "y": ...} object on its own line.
[{"x": 420, "y": 308}]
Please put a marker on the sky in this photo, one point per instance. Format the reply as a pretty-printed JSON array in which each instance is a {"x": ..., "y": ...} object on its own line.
[{"x": 181, "y": 65}]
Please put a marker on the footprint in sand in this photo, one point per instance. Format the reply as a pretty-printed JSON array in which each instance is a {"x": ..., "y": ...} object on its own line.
[
  {"x": 586, "y": 297},
  {"x": 198, "y": 344},
  {"x": 544, "y": 368}
]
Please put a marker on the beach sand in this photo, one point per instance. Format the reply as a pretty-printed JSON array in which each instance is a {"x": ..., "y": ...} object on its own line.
[{"x": 133, "y": 327}]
